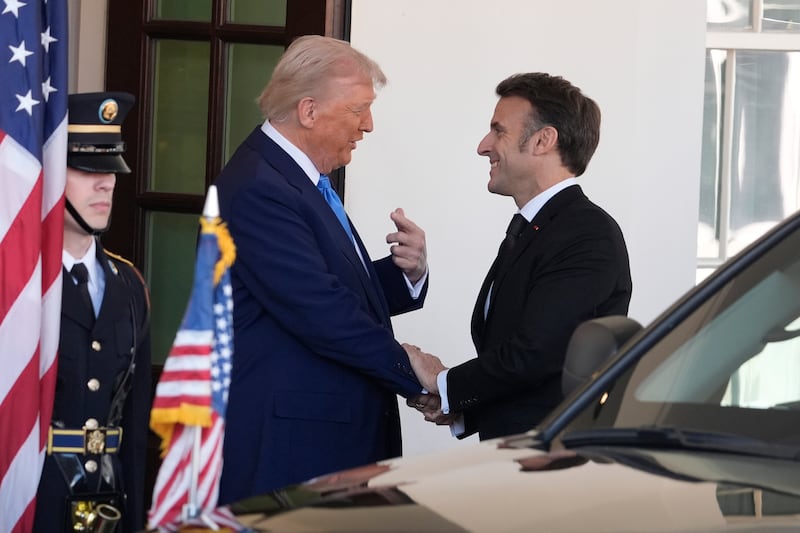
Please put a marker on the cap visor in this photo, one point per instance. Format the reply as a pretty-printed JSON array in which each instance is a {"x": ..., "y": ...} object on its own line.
[{"x": 99, "y": 163}]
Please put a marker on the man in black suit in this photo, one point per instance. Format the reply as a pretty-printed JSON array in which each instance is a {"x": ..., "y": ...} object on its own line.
[
  {"x": 564, "y": 262},
  {"x": 98, "y": 431}
]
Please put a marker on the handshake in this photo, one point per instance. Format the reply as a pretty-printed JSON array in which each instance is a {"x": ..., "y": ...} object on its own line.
[{"x": 427, "y": 368}]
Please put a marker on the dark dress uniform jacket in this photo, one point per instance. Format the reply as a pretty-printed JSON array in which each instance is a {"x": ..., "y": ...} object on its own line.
[
  {"x": 101, "y": 350},
  {"x": 316, "y": 369},
  {"x": 569, "y": 265}
]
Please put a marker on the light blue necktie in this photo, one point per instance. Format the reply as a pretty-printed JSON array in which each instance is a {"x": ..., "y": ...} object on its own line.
[{"x": 324, "y": 185}]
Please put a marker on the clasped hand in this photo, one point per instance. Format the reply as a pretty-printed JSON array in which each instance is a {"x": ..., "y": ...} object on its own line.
[
  {"x": 430, "y": 405},
  {"x": 427, "y": 368}
]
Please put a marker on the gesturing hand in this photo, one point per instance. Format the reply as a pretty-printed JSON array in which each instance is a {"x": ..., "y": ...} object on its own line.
[{"x": 408, "y": 248}]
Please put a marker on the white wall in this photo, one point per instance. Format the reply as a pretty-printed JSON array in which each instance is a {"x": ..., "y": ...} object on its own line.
[{"x": 641, "y": 60}]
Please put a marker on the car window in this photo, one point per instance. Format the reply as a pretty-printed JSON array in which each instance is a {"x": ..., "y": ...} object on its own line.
[
  {"x": 770, "y": 378},
  {"x": 732, "y": 365},
  {"x": 749, "y": 347}
]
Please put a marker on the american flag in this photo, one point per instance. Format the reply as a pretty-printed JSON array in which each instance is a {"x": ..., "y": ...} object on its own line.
[
  {"x": 33, "y": 161},
  {"x": 192, "y": 393}
]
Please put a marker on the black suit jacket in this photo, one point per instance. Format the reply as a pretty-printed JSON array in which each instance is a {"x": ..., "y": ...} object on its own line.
[
  {"x": 101, "y": 350},
  {"x": 569, "y": 265}
]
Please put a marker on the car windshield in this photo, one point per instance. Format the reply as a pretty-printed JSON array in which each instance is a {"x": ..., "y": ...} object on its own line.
[{"x": 731, "y": 366}]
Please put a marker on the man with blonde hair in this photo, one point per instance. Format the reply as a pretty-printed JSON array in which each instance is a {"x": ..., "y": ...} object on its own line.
[{"x": 316, "y": 368}]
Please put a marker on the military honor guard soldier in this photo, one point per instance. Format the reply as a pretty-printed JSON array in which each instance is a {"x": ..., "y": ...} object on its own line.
[{"x": 93, "y": 477}]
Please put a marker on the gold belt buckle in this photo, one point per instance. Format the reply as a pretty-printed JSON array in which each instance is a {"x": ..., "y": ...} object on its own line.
[{"x": 95, "y": 441}]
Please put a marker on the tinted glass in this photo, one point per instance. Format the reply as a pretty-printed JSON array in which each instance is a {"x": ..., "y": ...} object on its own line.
[
  {"x": 765, "y": 169},
  {"x": 249, "y": 69},
  {"x": 731, "y": 366},
  {"x": 179, "y": 117},
  {"x": 258, "y": 12},
  {"x": 172, "y": 244},
  {"x": 194, "y": 10},
  {"x": 781, "y": 15},
  {"x": 766, "y": 172}
]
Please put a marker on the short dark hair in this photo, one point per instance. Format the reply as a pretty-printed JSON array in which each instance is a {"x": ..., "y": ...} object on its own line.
[{"x": 558, "y": 103}]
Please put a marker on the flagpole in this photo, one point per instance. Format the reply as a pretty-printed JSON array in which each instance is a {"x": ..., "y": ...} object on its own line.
[{"x": 191, "y": 511}]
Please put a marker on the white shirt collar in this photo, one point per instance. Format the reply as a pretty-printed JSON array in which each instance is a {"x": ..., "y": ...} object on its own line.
[
  {"x": 532, "y": 208},
  {"x": 89, "y": 260},
  {"x": 294, "y": 152}
]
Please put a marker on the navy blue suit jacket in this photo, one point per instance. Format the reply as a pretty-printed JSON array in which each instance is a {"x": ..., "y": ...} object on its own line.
[{"x": 316, "y": 368}]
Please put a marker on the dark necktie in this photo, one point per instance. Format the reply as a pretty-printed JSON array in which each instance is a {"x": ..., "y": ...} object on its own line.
[
  {"x": 81, "y": 275},
  {"x": 515, "y": 228},
  {"x": 324, "y": 185}
]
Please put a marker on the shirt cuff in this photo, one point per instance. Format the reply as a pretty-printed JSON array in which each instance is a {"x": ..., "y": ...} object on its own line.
[
  {"x": 416, "y": 289},
  {"x": 441, "y": 383},
  {"x": 457, "y": 427}
]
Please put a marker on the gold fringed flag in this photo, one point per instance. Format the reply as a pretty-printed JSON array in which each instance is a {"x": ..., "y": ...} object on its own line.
[{"x": 189, "y": 405}]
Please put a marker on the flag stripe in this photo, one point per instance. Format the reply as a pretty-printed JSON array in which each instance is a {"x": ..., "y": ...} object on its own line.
[
  {"x": 20, "y": 249},
  {"x": 20, "y": 172},
  {"x": 33, "y": 111},
  {"x": 179, "y": 362}
]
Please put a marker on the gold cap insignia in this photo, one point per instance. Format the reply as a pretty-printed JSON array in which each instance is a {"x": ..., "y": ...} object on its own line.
[{"x": 108, "y": 111}]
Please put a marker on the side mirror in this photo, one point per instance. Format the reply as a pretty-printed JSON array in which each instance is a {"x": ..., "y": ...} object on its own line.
[{"x": 591, "y": 344}]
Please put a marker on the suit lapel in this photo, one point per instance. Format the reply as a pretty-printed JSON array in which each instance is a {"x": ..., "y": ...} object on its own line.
[
  {"x": 371, "y": 283},
  {"x": 530, "y": 234},
  {"x": 541, "y": 221},
  {"x": 275, "y": 156}
]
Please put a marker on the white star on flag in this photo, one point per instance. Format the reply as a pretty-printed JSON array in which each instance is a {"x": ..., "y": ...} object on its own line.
[
  {"x": 13, "y": 6},
  {"x": 19, "y": 53},
  {"x": 47, "y": 88},
  {"x": 47, "y": 39},
  {"x": 26, "y": 102}
]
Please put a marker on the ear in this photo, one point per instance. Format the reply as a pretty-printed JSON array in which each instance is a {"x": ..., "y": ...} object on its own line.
[
  {"x": 545, "y": 140},
  {"x": 307, "y": 112}
]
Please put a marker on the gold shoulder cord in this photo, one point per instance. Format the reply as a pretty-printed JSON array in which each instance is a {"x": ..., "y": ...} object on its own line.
[{"x": 135, "y": 271}]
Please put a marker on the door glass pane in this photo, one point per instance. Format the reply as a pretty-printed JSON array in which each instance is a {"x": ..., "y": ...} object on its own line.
[
  {"x": 171, "y": 249},
  {"x": 258, "y": 12},
  {"x": 781, "y": 15},
  {"x": 766, "y": 134},
  {"x": 249, "y": 68},
  {"x": 179, "y": 117},
  {"x": 708, "y": 230},
  {"x": 196, "y": 10},
  {"x": 728, "y": 14}
]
